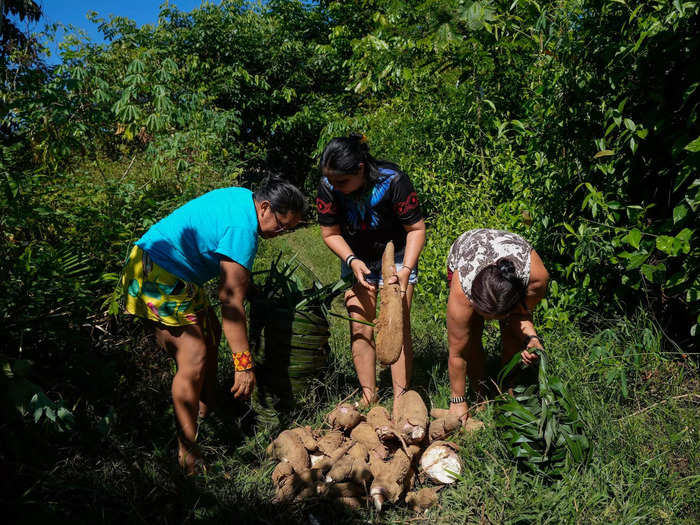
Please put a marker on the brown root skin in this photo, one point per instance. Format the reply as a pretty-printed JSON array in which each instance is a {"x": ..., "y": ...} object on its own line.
[
  {"x": 346, "y": 489},
  {"x": 306, "y": 437},
  {"x": 281, "y": 471},
  {"x": 340, "y": 471},
  {"x": 350, "y": 469},
  {"x": 288, "y": 447},
  {"x": 388, "y": 263},
  {"x": 470, "y": 425},
  {"x": 330, "y": 442},
  {"x": 443, "y": 427},
  {"x": 359, "y": 451},
  {"x": 307, "y": 484},
  {"x": 411, "y": 417},
  {"x": 352, "y": 502},
  {"x": 437, "y": 413},
  {"x": 298, "y": 486},
  {"x": 414, "y": 452},
  {"x": 285, "y": 492},
  {"x": 380, "y": 420},
  {"x": 423, "y": 499},
  {"x": 345, "y": 417},
  {"x": 327, "y": 462},
  {"x": 390, "y": 478},
  {"x": 389, "y": 328},
  {"x": 365, "y": 434}
]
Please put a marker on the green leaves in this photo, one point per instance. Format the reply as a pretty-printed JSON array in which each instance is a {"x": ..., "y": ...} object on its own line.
[
  {"x": 675, "y": 245},
  {"x": 540, "y": 423},
  {"x": 693, "y": 146}
]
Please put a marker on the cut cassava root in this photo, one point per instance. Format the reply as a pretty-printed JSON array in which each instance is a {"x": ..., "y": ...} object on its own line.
[{"x": 368, "y": 463}]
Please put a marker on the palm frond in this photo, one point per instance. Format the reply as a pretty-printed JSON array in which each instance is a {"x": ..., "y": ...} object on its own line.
[{"x": 540, "y": 423}]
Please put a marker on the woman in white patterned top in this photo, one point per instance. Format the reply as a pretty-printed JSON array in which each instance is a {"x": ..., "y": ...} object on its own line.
[{"x": 491, "y": 274}]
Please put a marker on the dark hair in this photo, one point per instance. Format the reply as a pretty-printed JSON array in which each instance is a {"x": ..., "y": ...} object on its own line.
[
  {"x": 496, "y": 289},
  {"x": 282, "y": 194},
  {"x": 345, "y": 154}
]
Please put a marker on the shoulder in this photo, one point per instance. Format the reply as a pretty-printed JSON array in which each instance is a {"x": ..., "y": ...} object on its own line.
[
  {"x": 324, "y": 185},
  {"x": 391, "y": 172},
  {"x": 226, "y": 194}
]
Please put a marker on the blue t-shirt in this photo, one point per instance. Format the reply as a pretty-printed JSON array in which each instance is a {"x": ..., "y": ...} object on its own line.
[{"x": 190, "y": 242}]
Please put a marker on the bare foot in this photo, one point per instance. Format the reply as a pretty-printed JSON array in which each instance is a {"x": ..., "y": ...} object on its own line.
[{"x": 191, "y": 461}]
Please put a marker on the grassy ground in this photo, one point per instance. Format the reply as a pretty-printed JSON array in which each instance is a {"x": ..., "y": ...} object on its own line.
[
  {"x": 638, "y": 404},
  {"x": 644, "y": 466}
]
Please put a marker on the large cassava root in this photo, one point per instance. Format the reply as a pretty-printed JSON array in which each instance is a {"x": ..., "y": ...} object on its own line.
[
  {"x": 288, "y": 447},
  {"x": 411, "y": 416},
  {"x": 389, "y": 326},
  {"x": 365, "y": 434},
  {"x": 443, "y": 427},
  {"x": 345, "y": 417},
  {"x": 390, "y": 478},
  {"x": 470, "y": 425},
  {"x": 367, "y": 462}
]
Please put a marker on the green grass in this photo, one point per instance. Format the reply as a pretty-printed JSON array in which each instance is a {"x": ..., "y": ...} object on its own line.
[
  {"x": 638, "y": 404},
  {"x": 644, "y": 463}
]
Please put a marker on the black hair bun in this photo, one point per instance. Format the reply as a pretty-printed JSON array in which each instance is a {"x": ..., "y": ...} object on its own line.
[
  {"x": 361, "y": 141},
  {"x": 506, "y": 268}
]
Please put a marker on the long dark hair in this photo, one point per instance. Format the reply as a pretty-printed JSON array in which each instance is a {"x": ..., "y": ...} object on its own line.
[
  {"x": 282, "y": 194},
  {"x": 345, "y": 154},
  {"x": 496, "y": 289}
]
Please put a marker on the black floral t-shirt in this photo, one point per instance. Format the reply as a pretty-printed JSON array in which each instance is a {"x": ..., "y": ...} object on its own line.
[{"x": 370, "y": 219}]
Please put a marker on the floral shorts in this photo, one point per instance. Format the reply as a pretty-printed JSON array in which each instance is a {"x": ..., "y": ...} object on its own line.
[{"x": 151, "y": 292}]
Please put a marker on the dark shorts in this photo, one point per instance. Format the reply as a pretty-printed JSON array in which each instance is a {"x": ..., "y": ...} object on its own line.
[{"x": 375, "y": 277}]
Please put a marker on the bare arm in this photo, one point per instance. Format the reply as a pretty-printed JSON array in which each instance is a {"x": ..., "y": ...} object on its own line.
[
  {"x": 232, "y": 291},
  {"x": 536, "y": 290},
  {"x": 415, "y": 241},
  {"x": 335, "y": 242}
]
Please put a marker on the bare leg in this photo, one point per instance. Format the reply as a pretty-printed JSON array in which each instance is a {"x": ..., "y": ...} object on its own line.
[
  {"x": 362, "y": 304},
  {"x": 466, "y": 357},
  {"x": 207, "y": 401},
  {"x": 402, "y": 368},
  {"x": 475, "y": 358},
  {"x": 511, "y": 337},
  {"x": 188, "y": 343}
]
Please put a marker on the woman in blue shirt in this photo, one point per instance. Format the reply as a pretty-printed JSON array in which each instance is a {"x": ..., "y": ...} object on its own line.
[{"x": 214, "y": 234}]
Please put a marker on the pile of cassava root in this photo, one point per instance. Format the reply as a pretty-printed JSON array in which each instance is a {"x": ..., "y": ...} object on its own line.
[{"x": 362, "y": 458}]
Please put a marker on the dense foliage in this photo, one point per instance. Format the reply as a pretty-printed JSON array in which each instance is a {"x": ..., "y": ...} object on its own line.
[{"x": 573, "y": 123}]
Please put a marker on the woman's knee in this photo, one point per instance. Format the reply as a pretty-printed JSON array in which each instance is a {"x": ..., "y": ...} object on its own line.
[
  {"x": 359, "y": 331},
  {"x": 191, "y": 356}
]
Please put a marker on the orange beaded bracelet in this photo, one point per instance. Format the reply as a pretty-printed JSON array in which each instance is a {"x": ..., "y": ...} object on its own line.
[{"x": 243, "y": 361}]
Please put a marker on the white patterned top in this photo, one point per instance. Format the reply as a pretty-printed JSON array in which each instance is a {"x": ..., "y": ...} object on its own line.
[{"x": 476, "y": 249}]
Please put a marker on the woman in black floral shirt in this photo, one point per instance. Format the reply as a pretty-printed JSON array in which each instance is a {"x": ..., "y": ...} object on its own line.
[{"x": 364, "y": 203}]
